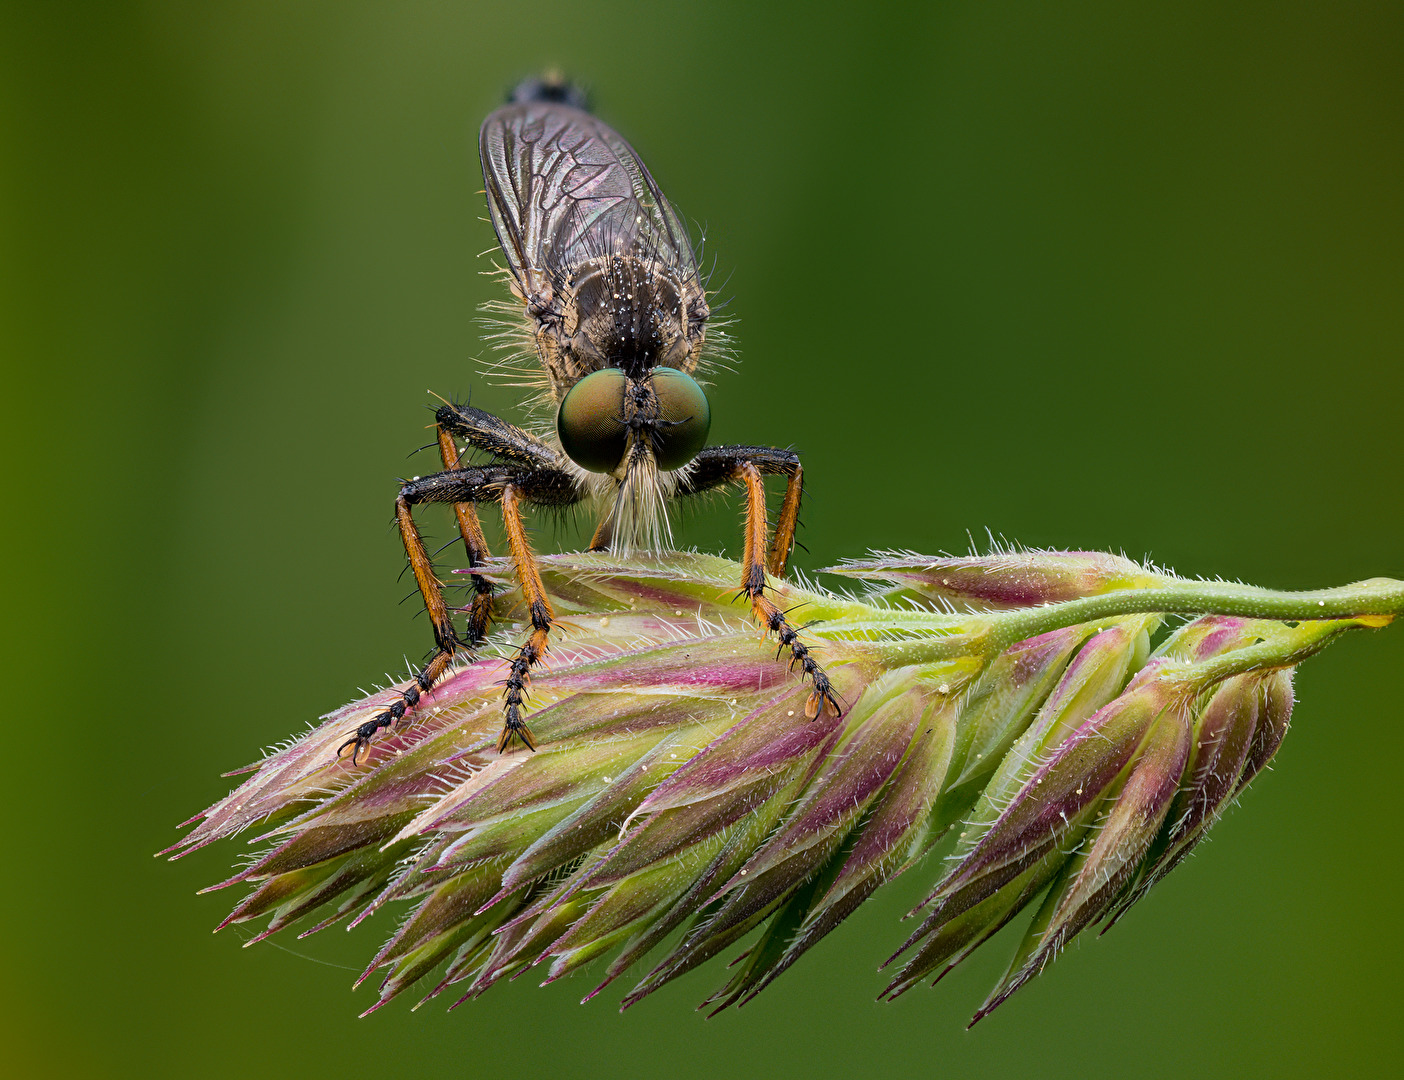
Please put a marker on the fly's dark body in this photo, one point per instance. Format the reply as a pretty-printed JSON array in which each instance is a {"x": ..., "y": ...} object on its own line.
[
  {"x": 616, "y": 315},
  {"x": 594, "y": 250}
]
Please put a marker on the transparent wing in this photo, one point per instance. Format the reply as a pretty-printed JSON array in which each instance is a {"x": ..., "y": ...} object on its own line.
[{"x": 564, "y": 188}]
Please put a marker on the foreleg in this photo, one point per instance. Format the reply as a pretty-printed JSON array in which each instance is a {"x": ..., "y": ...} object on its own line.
[
  {"x": 745, "y": 465},
  {"x": 491, "y": 483}
]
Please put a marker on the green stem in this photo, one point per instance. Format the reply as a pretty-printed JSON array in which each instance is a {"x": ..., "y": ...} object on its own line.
[
  {"x": 1287, "y": 647},
  {"x": 931, "y": 636},
  {"x": 1378, "y": 596}
]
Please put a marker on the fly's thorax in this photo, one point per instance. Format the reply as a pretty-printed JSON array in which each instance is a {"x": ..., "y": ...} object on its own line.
[{"x": 634, "y": 313}]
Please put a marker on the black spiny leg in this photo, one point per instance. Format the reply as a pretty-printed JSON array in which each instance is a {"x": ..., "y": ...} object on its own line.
[
  {"x": 488, "y": 483},
  {"x": 507, "y": 443},
  {"x": 745, "y": 465}
]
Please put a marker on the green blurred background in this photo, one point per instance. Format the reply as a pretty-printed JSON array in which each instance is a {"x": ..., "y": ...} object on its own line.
[{"x": 1083, "y": 275}]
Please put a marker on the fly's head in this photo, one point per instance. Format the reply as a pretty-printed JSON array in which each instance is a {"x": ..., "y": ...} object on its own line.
[
  {"x": 615, "y": 423},
  {"x": 635, "y": 427}
]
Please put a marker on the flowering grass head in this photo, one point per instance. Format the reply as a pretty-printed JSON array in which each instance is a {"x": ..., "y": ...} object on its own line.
[{"x": 1049, "y": 721}]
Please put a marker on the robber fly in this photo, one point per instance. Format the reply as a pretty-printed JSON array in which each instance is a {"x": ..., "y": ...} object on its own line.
[{"x": 606, "y": 281}]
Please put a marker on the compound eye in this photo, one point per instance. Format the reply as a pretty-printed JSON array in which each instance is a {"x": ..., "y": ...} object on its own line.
[
  {"x": 684, "y": 418},
  {"x": 590, "y": 421}
]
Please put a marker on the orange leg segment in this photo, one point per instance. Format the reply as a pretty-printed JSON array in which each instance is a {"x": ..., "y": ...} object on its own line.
[
  {"x": 475, "y": 544},
  {"x": 542, "y": 616},
  {"x": 762, "y": 607}
]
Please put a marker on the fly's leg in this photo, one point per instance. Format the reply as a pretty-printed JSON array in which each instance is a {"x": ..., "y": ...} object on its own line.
[
  {"x": 763, "y": 608},
  {"x": 489, "y": 483},
  {"x": 541, "y": 614},
  {"x": 475, "y": 544},
  {"x": 604, "y": 535},
  {"x": 783, "y": 542},
  {"x": 746, "y": 465},
  {"x": 446, "y": 640},
  {"x": 508, "y": 444}
]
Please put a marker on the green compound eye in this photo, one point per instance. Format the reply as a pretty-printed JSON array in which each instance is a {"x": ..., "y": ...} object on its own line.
[
  {"x": 684, "y": 418},
  {"x": 590, "y": 421}
]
